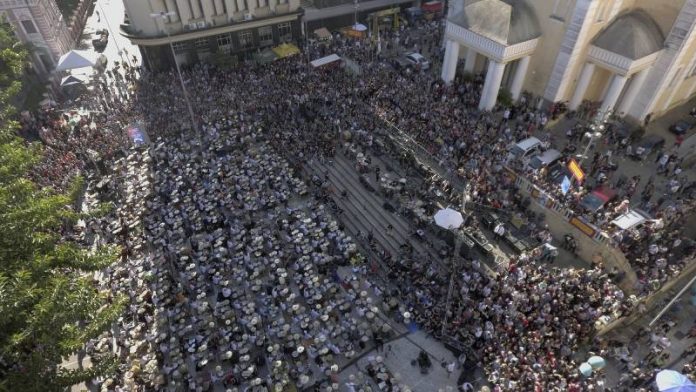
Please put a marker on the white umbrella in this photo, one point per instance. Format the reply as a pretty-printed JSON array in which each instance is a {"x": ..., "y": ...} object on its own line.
[
  {"x": 77, "y": 59},
  {"x": 673, "y": 381},
  {"x": 359, "y": 27},
  {"x": 449, "y": 218},
  {"x": 585, "y": 369},
  {"x": 597, "y": 362}
]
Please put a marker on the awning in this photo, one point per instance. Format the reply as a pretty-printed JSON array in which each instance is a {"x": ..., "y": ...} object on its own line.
[
  {"x": 323, "y": 33},
  {"x": 432, "y": 6},
  {"x": 286, "y": 50},
  {"x": 631, "y": 218},
  {"x": 325, "y": 60}
]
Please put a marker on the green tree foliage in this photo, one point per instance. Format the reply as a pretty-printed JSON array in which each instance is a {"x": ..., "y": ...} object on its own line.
[{"x": 48, "y": 304}]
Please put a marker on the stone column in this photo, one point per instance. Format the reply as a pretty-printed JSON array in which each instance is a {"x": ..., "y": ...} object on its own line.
[
  {"x": 231, "y": 8},
  {"x": 518, "y": 79},
  {"x": 208, "y": 10},
  {"x": 171, "y": 6},
  {"x": 196, "y": 9},
  {"x": 617, "y": 84},
  {"x": 581, "y": 88},
  {"x": 449, "y": 65},
  {"x": 494, "y": 77},
  {"x": 184, "y": 14},
  {"x": 633, "y": 89},
  {"x": 470, "y": 60}
]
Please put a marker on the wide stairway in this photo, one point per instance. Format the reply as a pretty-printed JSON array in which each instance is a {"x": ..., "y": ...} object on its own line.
[{"x": 364, "y": 210}]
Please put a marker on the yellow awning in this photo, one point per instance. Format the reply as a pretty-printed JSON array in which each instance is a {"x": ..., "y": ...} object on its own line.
[{"x": 286, "y": 50}]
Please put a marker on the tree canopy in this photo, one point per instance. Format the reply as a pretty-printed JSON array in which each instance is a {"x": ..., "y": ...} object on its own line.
[{"x": 48, "y": 303}]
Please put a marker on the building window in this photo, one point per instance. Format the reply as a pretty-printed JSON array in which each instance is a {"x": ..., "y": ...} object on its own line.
[
  {"x": 29, "y": 27},
  {"x": 202, "y": 45},
  {"x": 560, "y": 9},
  {"x": 180, "y": 47},
  {"x": 246, "y": 40},
  {"x": 285, "y": 31},
  {"x": 266, "y": 35},
  {"x": 224, "y": 43},
  {"x": 224, "y": 39}
]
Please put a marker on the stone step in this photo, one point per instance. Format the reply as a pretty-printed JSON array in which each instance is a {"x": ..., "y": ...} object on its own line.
[
  {"x": 373, "y": 202},
  {"x": 354, "y": 214}
]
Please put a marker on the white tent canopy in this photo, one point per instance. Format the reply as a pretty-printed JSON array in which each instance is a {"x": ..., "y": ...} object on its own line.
[
  {"x": 73, "y": 79},
  {"x": 325, "y": 60},
  {"x": 673, "y": 381},
  {"x": 449, "y": 218},
  {"x": 630, "y": 219},
  {"x": 77, "y": 59}
]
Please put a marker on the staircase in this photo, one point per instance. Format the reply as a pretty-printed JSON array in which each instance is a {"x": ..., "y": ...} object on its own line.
[{"x": 363, "y": 210}]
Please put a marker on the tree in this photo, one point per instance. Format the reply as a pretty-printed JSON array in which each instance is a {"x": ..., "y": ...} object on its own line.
[{"x": 49, "y": 306}]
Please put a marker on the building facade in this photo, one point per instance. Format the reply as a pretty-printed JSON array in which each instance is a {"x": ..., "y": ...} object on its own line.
[
  {"x": 636, "y": 58},
  {"x": 40, "y": 24},
  {"x": 199, "y": 28}
]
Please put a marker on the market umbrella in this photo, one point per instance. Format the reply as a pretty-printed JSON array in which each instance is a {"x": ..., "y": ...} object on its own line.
[
  {"x": 586, "y": 369},
  {"x": 359, "y": 27},
  {"x": 449, "y": 219},
  {"x": 673, "y": 381},
  {"x": 597, "y": 362}
]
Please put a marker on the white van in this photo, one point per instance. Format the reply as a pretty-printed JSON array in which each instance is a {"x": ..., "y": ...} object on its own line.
[
  {"x": 545, "y": 159},
  {"x": 524, "y": 149}
]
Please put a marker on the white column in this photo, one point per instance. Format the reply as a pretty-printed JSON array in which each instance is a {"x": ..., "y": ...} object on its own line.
[
  {"x": 184, "y": 12},
  {"x": 633, "y": 89},
  {"x": 617, "y": 84},
  {"x": 494, "y": 77},
  {"x": 449, "y": 66},
  {"x": 219, "y": 8},
  {"x": 581, "y": 88},
  {"x": 171, "y": 6},
  {"x": 518, "y": 79},
  {"x": 196, "y": 9},
  {"x": 470, "y": 60},
  {"x": 208, "y": 10},
  {"x": 231, "y": 7}
]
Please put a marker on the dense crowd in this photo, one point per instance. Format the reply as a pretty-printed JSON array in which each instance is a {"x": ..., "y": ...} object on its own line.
[{"x": 238, "y": 275}]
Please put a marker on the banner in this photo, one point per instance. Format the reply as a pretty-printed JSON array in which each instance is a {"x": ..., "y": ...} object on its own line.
[{"x": 576, "y": 170}]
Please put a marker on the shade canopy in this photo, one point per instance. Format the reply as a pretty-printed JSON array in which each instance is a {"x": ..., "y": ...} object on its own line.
[
  {"x": 597, "y": 362},
  {"x": 71, "y": 80},
  {"x": 585, "y": 369},
  {"x": 286, "y": 50},
  {"x": 449, "y": 218},
  {"x": 77, "y": 59},
  {"x": 673, "y": 381}
]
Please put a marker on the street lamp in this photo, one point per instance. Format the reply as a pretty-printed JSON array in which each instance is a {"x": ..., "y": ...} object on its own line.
[
  {"x": 596, "y": 132},
  {"x": 163, "y": 15}
]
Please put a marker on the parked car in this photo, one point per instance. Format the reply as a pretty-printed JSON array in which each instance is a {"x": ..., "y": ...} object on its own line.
[
  {"x": 681, "y": 127},
  {"x": 558, "y": 171},
  {"x": 401, "y": 63},
  {"x": 418, "y": 61},
  {"x": 598, "y": 198},
  {"x": 545, "y": 159},
  {"x": 646, "y": 146},
  {"x": 524, "y": 149}
]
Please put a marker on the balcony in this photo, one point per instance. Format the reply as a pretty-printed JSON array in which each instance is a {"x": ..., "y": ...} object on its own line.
[{"x": 199, "y": 28}]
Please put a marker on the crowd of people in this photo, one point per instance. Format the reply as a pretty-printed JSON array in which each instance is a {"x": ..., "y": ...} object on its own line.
[{"x": 237, "y": 273}]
